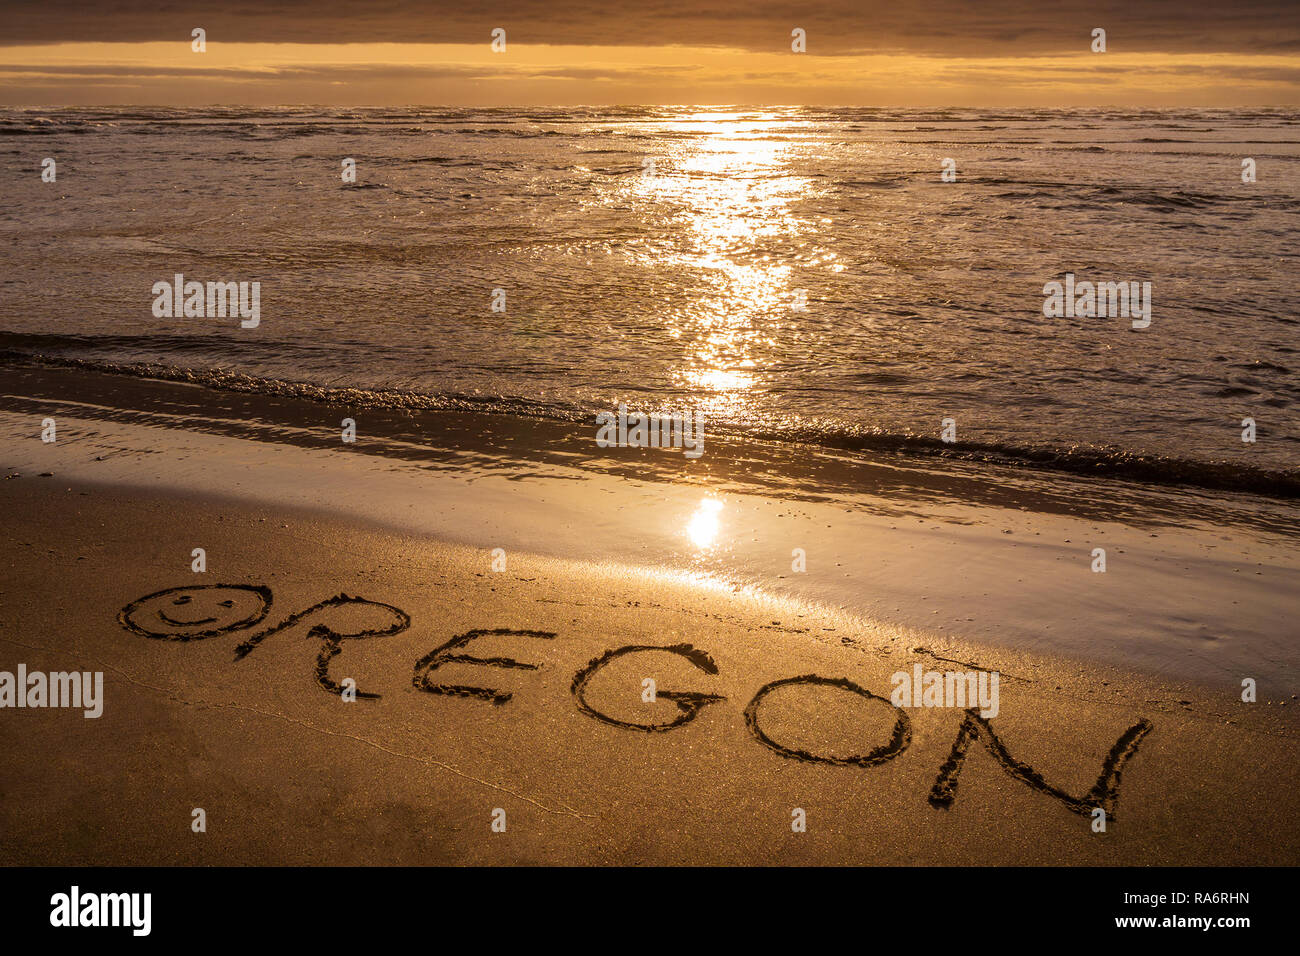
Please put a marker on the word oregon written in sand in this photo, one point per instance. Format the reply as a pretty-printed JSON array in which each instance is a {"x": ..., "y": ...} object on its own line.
[{"x": 197, "y": 612}]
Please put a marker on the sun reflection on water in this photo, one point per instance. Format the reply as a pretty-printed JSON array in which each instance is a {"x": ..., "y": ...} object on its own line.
[{"x": 726, "y": 181}]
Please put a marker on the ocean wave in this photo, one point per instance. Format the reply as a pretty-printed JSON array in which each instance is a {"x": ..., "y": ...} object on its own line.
[
  {"x": 1082, "y": 460},
  {"x": 1074, "y": 194}
]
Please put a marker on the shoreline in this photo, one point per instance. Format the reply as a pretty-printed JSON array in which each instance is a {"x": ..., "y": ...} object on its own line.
[{"x": 139, "y": 385}]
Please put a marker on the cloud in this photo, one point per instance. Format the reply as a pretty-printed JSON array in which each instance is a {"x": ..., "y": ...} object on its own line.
[
  {"x": 834, "y": 27},
  {"x": 361, "y": 74}
]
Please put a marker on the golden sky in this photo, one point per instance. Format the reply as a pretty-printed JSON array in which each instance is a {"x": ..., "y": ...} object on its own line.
[{"x": 565, "y": 52}]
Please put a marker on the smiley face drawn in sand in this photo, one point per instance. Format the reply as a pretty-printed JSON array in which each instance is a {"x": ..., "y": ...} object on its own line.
[{"x": 197, "y": 611}]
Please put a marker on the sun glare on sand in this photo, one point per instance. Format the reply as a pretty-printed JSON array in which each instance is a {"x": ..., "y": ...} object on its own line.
[{"x": 703, "y": 527}]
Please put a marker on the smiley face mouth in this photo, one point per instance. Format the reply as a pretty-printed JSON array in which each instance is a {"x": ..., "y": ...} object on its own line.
[
  {"x": 175, "y": 623},
  {"x": 183, "y": 600}
]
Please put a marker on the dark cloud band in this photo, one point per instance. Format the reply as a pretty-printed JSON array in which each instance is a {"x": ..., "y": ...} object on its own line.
[{"x": 835, "y": 27}]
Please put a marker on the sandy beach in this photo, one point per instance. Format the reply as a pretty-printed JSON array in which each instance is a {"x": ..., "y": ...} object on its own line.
[{"x": 521, "y": 689}]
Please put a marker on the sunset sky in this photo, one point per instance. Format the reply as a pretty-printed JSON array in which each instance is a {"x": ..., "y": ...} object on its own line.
[{"x": 564, "y": 52}]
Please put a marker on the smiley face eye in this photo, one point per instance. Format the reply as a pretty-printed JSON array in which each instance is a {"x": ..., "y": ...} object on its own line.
[
  {"x": 227, "y": 604},
  {"x": 185, "y": 599}
]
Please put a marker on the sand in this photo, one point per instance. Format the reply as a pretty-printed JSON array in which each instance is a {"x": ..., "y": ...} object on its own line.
[
  {"x": 288, "y": 772},
  {"x": 497, "y": 594}
]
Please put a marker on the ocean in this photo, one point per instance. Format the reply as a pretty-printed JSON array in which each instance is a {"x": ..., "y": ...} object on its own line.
[{"x": 794, "y": 274}]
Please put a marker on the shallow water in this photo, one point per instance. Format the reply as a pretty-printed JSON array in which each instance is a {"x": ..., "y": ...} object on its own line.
[{"x": 677, "y": 285}]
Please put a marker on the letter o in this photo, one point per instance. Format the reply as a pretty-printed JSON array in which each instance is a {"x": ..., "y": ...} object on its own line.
[{"x": 898, "y": 741}]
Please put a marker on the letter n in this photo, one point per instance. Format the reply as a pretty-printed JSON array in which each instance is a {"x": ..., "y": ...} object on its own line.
[{"x": 1104, "y": 793}]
